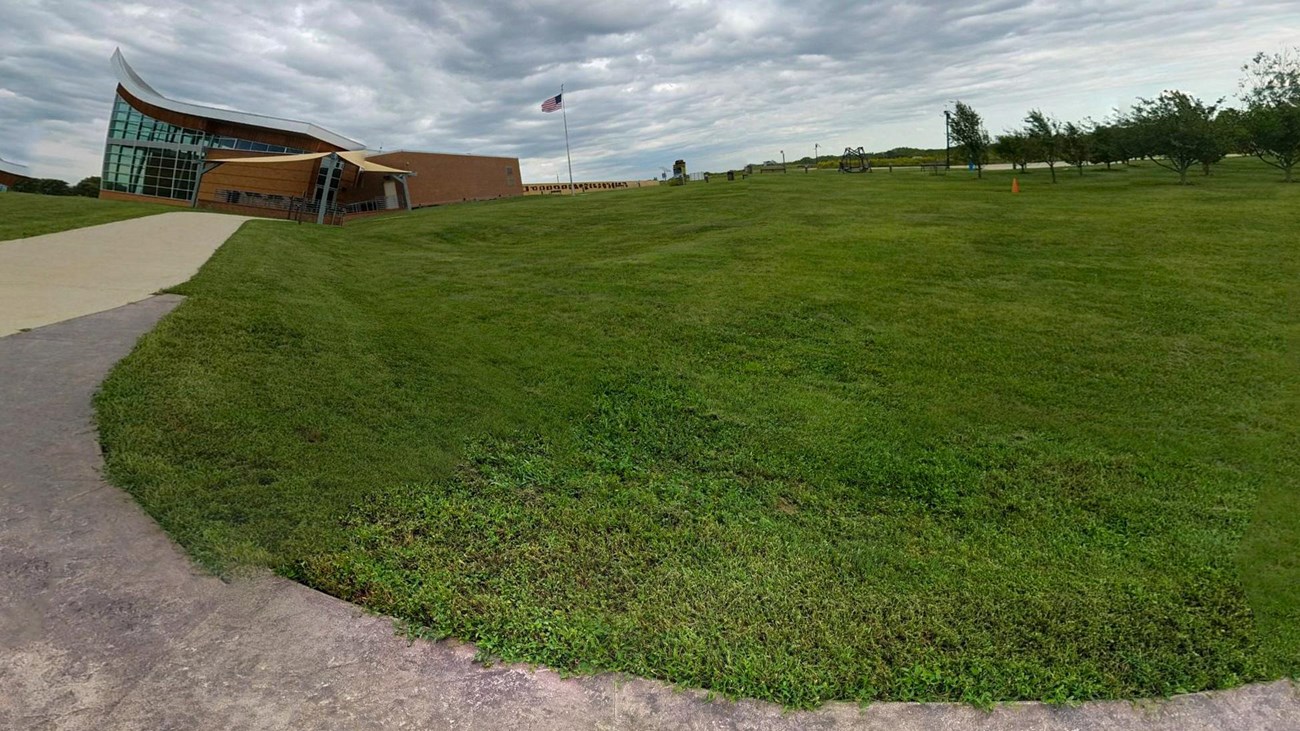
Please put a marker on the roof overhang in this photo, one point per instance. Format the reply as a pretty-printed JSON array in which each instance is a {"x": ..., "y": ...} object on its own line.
[
  {"x": 13, "y": 168},
  {"x": 131, "y": 81}
]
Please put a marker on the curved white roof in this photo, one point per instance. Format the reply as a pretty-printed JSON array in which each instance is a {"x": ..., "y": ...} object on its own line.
[
  {"x": 13, "y": 168},
  {"x": 132, "y": 82}
]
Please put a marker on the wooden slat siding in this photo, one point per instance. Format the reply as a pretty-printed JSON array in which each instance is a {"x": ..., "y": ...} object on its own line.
[
  {"x": 229, "y": 129},
  {"x": 287, "y": 179},
  {"x": 441, "y": 178},
  {"x": 290, "y": 180}
]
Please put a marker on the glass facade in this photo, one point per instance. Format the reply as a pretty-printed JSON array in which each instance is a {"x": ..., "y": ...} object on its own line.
[
  {"x": 328, "y": 176},
  {"x": 154, "y": 171},
  {"x": 147, "y": 156},
  {"x": 129, "y": 124},
  {"x": 234, "y": 143}
]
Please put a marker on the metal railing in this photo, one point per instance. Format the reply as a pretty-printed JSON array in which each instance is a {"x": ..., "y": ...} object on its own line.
[
  {"x": 374, "y": 204},
  {"x": 295, "y": 208}
]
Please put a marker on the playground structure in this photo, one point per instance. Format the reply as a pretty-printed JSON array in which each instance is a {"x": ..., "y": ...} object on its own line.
[{"x": 854, "y": 160}]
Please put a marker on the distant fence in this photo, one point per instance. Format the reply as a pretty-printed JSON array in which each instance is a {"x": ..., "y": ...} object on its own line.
[{"x": 589, "y": 187}]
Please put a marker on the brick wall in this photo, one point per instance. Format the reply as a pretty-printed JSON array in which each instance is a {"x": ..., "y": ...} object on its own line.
[
  {"x": 113, "y": 195},
  {"x": 440, "y": 178}
]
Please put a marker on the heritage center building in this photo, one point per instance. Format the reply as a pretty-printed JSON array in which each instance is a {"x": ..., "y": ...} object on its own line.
[{"x": 184, "y": 154}]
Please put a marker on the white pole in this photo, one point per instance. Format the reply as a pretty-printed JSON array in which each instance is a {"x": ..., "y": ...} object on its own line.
[{"x": 567, "y": 155}]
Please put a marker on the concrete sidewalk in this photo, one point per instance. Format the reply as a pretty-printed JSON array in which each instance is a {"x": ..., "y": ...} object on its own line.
[
  {"x": 105, "y": 624},
  {"x": 51, "y": 278}
]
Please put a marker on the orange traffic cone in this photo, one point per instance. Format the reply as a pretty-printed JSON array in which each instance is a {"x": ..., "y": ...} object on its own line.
[{"x": 1015, "y": 185}]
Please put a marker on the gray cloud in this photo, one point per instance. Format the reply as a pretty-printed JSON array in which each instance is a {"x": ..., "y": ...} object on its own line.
[{"x": 719, "y": 83}]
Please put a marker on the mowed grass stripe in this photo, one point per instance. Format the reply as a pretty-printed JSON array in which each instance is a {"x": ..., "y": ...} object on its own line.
[{"x": 797, "y": 437}]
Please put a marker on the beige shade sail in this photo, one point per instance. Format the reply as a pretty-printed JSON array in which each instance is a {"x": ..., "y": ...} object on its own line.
[
  {"x": 357, "y": 158},
  {"x": 277, "y": 159}
]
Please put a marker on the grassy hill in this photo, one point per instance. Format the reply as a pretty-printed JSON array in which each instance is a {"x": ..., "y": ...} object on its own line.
[
  {"x": 27, "y": 214},
  {"x": 800, "y": 438}
]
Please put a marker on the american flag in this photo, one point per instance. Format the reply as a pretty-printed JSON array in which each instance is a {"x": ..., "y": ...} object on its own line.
[{"x": 552, "y": 104}]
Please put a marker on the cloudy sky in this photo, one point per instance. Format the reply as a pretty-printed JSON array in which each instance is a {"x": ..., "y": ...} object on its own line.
[{"x": 719, "y": 83}]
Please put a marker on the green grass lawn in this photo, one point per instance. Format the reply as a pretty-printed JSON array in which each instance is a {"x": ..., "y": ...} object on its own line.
[
  {"x": 799, "y": 438},
  {"x": 27, "y": 214}
]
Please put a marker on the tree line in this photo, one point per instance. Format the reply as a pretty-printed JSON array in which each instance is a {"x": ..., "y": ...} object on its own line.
[
  {"x": 88, "y": 187},
  {"x": 1175, "y": 130}
]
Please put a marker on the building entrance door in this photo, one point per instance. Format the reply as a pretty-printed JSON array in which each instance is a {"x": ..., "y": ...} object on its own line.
[{"x": 390, "y": 193}]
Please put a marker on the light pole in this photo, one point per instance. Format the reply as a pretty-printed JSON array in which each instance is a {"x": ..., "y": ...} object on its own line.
[
  {"x": 947, "y": 143},
  {"x": 782, "y": 160},
  {"x": 815, "y": 148}
]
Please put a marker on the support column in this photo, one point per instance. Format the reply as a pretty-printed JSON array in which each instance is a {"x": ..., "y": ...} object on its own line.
[
  {"x": 328, "y": 164},
  {"x": 406, "y": 190},
  {"x": 204, "y": 169}
]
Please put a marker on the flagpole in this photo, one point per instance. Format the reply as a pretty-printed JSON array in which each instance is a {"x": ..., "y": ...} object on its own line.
[{"x": 567, "y": 155}]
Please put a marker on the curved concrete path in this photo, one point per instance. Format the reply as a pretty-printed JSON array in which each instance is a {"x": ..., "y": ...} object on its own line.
[
  {"x": 105, "y": 624},
  {"x": 51, "y": 278}
]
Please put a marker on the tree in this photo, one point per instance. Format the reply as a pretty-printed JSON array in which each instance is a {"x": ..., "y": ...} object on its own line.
[
  {"x": 1076, "y": 143},
  {"x": 1273, "y": 135},
  {"x": 1228, "y": 132},
  {"x": 1272, "y": 79},
  {"x": 1176, "y": 130},
  {"x": 1016, "y": 148},
  {"x": 1270, "y": 126},
  {"x": 1045, "y": 134},
  {"x": 968, "y": 132},
  {"x": 1128, "y": 144},
  {"x": 42, "y": 186},
  {"x": 1007, "y": 147},
  {"x": 1106, "y": 148},
  {"x": 88, "y": 187},
  {"x": 1114, "y": 140},
  {"x": 1230, "y": 126}
]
